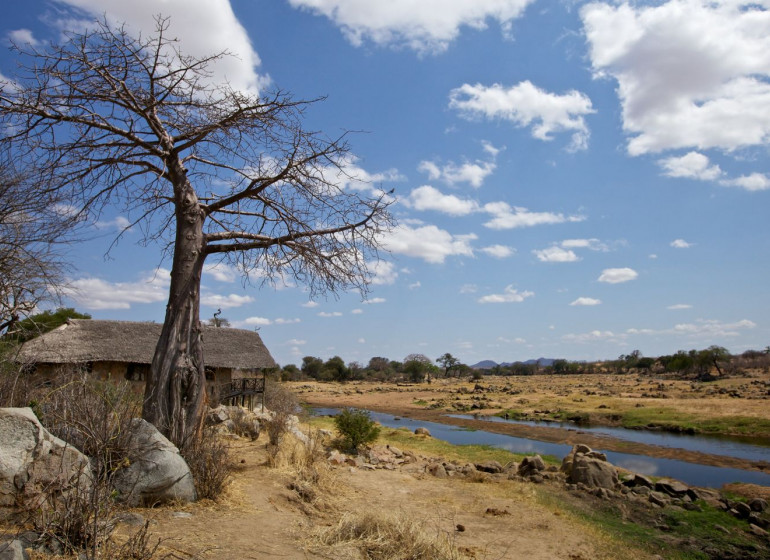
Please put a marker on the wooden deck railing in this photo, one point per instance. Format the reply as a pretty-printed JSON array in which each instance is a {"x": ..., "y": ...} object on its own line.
[{"x": 241, "y": 391}]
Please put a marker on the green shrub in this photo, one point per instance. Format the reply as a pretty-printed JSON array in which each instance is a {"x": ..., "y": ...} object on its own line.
[{"x": 356, "y": 428}]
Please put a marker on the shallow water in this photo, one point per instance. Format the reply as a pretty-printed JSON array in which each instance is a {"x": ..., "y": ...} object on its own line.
[
  {"x": 752, "y": 449},
  {"x": 689, "y": 473}
]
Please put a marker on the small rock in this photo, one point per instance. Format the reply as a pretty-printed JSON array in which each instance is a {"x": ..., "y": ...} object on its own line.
[
  {"x": 132, "y": 519},
  {"x": 659, "y": 499},
  {"x": 638, "y": 480},
  {"x": 489, "y": 467},
  {"x": 336, "y": 458},
  {"x": 671, "y": 487},
  {"x": 181, "y": 515},
  {"x": 722, "y": 529},
  {"x": 437, "y": 470},
  {"x": 758, "y": 531},
  {"x": 460, "y": 528},
  {"x": 396, "y": 451},
  {"x": 743, "y": 510},
  {"x": 758, "y": 504},
  {"x": 422, "y": 431},
  {"x": 759, "y": 521},
  {"x": 531, "y": 465}
]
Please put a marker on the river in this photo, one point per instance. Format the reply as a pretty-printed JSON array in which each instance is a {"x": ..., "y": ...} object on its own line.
[{"x": 690, "y": 473}]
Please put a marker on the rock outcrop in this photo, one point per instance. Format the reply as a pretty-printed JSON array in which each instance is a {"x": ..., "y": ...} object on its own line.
[
  {"x": 37, "y": 469},
  {"x": 590, "y": 468}
]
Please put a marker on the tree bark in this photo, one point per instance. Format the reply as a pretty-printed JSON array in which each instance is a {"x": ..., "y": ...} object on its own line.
[{"x": 176, "y": 389}]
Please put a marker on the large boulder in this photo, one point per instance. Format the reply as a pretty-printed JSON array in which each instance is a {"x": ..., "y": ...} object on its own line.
[
  {"x": 37, "y": 469},
  {"x": 12, "y": 550},
  {"x": 156, "y": 472},
  {"x": 583, "y": 466}
]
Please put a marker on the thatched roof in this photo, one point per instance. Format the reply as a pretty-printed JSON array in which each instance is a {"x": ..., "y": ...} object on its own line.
[{"x": 88, "y": 340}]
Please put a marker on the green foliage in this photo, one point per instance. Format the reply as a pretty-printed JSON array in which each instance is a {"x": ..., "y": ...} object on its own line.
[
  {"x": 311, "y": 366},
  {"x": 415, "y": 370},
  {"x": 356, "y": 428},
  {"x": 44, "y": 322},
  {"x": 334, "y": 369},
  {"x": 448, "y": 362}
]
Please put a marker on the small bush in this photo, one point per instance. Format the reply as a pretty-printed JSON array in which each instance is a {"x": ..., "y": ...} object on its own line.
[
  {"x": 356, "y": 428},
  {"x": 210, "y": 464}
]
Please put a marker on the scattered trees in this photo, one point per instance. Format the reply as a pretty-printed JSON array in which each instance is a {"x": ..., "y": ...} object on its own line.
[
  {"x": 106, "y": 118},
  {"x": 417, "y": 367},
  {"x": 448, "y": 362}
]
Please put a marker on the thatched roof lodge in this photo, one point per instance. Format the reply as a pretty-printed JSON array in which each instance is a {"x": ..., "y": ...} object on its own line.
[{"x": 124, "y": 350}]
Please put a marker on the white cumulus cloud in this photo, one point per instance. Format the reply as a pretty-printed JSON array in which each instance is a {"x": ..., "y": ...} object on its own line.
[
  {"x": 96, "y": 293},
  {"x": 330, "y": 314},
  {"x": 225, "y": 302},
  {"x": 526, "y": 105},
  {"x": 427, "y": 26},
  {"x": 509, "y": 295},
  {"x": 430, "y": 198},
  {"x": 556, "y": 254},
  {"x": 752, "y": 182},
  {"x": 690, "y": 73},
  {"x": 681, "y": 244},
  {"x": 505, "y": 216},
  {"x": 253, "y": 322},
  {"x": 498, "y": 251},
  {"x": 586, "y": 301},
  {"x": 429, "y": 243},
  {"x": 23, "y": 37},
  {"x": 383, "y": 273},
  {"x": 693, "y": 165},
  {"x": 472, "y": 173},
  {"x": 221, "y": 272},
  {"x": 617, "y": 275},
  {"x": 204, "y": 28}
]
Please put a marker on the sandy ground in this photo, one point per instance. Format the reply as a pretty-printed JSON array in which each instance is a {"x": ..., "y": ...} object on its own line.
[
  {"x": 261, "y": 518},
  {"x": 586, "y": 393}
]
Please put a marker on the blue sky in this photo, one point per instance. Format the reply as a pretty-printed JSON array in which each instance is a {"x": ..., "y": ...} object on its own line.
[{"x": 573, "y": 179}]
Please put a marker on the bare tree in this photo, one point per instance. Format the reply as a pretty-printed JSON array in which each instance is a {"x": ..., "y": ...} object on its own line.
[
  {"x": 203, "y": 168},
  {"x": 32, "y": 236}
]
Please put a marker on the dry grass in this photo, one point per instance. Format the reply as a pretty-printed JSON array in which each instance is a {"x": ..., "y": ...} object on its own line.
[{"x": 376, "y": 536}]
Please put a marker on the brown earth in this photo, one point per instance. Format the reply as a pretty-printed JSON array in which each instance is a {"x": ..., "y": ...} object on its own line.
[
  {"x": 550, "y": 392},
  {"x": 262, "y": 518}
]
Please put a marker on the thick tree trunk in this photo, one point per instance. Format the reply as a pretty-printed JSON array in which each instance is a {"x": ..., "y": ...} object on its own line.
[{"x": 176, "y": 389}]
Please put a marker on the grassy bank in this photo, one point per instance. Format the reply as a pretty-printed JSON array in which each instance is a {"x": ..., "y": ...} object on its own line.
[{"x": 672, "y": 532}]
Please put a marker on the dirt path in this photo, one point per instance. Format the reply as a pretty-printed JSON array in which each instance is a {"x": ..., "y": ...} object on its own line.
[
  {"x": 394, "y": 403},
  {"x": 261, "y": 518}
]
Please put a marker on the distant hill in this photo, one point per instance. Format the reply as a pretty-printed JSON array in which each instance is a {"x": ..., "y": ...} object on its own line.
[{"x": 489, "y": 364}]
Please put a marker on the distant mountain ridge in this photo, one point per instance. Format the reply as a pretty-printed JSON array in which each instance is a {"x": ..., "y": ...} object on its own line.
[{"x": 489, "y": 364}]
